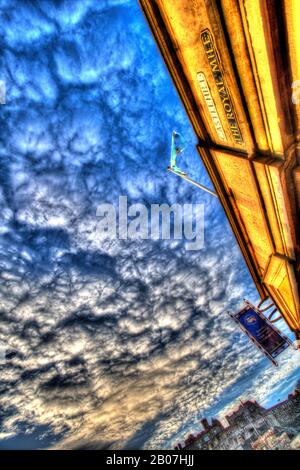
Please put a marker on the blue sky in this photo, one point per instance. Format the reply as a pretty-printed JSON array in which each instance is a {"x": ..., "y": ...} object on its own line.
[{"x": 109, "y": 343}]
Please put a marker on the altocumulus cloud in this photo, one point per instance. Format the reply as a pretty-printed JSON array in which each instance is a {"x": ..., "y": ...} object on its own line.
[{"x": 109, "y": 344}]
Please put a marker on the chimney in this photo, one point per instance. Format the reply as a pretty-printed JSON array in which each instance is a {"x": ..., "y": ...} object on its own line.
[
  {"x": 205, "y": 424},
  {"x": 178, "y": 446}
]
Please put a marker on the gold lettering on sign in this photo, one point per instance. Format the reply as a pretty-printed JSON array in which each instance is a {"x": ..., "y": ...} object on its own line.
[
  {"x": 211, "y": 105},
  {"x": 214, "y": 63}
]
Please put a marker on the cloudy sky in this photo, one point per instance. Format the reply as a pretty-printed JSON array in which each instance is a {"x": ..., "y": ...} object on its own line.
[{"x": 108, "y": 343}]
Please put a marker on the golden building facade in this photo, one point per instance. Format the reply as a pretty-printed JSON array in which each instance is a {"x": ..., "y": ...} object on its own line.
[{"x": 236, "y": 67}]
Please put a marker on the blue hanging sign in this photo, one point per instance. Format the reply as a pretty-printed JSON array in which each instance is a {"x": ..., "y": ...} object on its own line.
[{"x": 261, "y": 331}]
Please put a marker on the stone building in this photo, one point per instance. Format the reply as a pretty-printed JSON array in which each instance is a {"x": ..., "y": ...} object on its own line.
[
  {"x": 250, "y": 426},
  {"x": 269, "y": 440}
]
